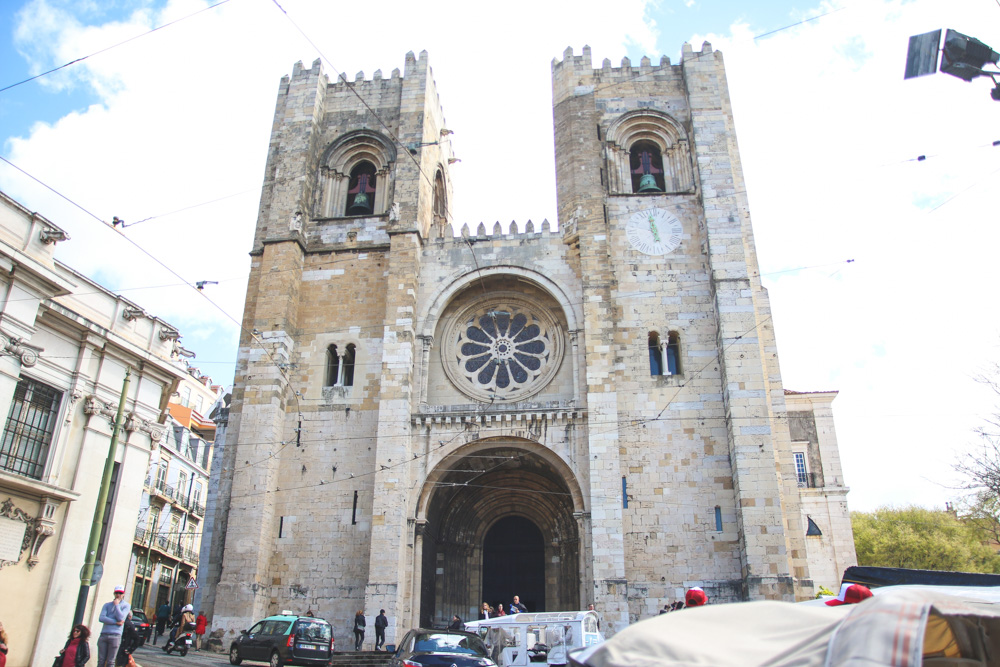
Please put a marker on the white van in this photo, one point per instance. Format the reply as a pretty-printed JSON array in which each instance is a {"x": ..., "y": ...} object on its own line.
[{"x": 537, "y": 638}]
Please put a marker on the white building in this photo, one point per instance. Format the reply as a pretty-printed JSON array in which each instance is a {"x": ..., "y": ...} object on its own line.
[
  {"x": 65, "y": 345},
  {"x": 168, "y": 534}
]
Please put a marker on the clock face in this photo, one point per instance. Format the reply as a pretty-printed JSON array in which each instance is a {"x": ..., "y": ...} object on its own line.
[{"x": 654, "y": 231}]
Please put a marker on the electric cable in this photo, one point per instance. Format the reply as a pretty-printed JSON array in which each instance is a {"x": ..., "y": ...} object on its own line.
[{"x": 108, "y": 48}]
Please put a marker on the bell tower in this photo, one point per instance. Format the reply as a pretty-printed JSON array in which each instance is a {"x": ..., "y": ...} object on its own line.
[
  {"x": 680, "y": 350},
  {"x": 356, "y": 182}
]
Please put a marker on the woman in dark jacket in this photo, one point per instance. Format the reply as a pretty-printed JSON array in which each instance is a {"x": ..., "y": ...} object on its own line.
[
  {"x": 359, "y": 630},
  {"x": 76, "y": 653},
  {"x": 130, "y": 641}
]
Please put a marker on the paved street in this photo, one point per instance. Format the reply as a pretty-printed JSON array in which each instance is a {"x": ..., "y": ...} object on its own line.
[{"x": 153, "y": 656}]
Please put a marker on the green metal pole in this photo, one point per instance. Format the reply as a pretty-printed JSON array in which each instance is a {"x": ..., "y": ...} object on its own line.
[{"x": 102, "y": 499}]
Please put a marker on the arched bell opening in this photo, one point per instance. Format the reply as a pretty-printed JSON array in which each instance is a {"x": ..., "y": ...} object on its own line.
[{"x": 516, "y": 500}]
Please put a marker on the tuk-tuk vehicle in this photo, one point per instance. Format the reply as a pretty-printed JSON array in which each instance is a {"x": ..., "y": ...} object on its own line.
[{"x": 537, "y": 638}]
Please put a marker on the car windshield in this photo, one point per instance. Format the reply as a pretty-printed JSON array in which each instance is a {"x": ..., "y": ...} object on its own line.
[
  {"x": 442, "y": 642},
  {"x": 315, "y": 631}
]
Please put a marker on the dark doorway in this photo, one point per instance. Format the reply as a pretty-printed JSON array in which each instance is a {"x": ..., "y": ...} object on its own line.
[{"x": 514, "y": 563}]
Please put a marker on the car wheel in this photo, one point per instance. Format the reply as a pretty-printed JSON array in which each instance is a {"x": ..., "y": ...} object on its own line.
[
  {"x": 234, "y": 655},
  {"x": 276, "y": 660}
]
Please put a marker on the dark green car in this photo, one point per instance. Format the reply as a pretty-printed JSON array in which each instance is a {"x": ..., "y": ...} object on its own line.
[{"x": 285, "y": 640}]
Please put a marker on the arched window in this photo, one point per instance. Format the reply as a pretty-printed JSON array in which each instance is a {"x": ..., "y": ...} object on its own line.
[
  {"x": 646, "y": 165},
  {"x": 361, "y": 189},
  {"x": 357, "y": 156},
  {"x": 340, "y": 367},
  {"x": 647, "y": 153},
  {"x": 655, "y": 354},
  {"x": 664, "y": 358}
]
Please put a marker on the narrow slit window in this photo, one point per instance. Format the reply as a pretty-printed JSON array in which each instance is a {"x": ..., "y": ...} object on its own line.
[
  {"x": 440, "y": 201},
  {"x": 801, "y": 472},
  {"x": 655, "y": 354},
  {"x": 718, "y": 519},
  {"x": 348, "y": 364},
  {"x": 673, "y": 353}
]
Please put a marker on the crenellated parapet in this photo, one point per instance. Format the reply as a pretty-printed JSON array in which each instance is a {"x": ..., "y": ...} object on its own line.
[
  {"x": 497, "y": 232},
  {"x": 576, "y": 75}
]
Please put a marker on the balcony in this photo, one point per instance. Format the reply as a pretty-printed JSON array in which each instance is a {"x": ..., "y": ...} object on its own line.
[
  {"x": 143, "y": 569},
  {"x": 198, "y": 508},
  {"x": 164, "y": 490},
  {"x": 175, "y": 549}
]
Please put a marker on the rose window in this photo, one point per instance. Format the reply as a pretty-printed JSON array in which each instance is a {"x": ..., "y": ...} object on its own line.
[{"x": 503, "y": 351}]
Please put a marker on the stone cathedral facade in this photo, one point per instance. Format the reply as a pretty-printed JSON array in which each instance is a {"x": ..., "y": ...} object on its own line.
[{"x": 585, "y": 411}]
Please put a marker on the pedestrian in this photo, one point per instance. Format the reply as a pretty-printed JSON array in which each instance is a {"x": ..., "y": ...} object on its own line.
[
  {"x": 381, "y": 622},
  {"x": 3, "y": 646},
  {"x": 359, "y": 629},
  {"x": 516, "y": 607},
  {"x": 456, "y": 623},
  {"x": 695, "y": 597},
  {"x": 113, "y": 615},
  {"x": 484, "y": 613},
  {"x": 500, "y": 611},
  {"x": 310, "y": 614},
  {"x": 76, "y": 652},
  {"x": 200, "y": 625},
  {"x": 590, "y": 607},
  {"x": 130, "y": 641},
  {"x": 162, "y": 616}
]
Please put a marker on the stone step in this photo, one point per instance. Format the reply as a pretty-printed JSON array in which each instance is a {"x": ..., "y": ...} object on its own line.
[{"x": 360, "y": 658}]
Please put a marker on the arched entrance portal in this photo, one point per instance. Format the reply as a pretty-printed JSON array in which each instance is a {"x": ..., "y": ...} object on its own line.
[
  {"x": 515, "y": 499},
  {"x": 514, "y": 563}
]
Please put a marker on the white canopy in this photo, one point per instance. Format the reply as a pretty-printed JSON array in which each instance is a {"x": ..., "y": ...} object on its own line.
[{"x": 901, "y": 628}]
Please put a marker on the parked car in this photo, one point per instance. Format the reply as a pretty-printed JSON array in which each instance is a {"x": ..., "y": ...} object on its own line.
[
  {"x": 285, "y": 640},
  {"x": 425, "y": 647},
  {"x": 142, "y": 625}
]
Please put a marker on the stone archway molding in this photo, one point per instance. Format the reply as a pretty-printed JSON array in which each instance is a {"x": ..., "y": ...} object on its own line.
[{"x": 440, "y": 469}]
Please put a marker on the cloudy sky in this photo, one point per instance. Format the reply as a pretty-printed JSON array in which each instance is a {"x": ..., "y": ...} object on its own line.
[{"x": 169, "y": 131}]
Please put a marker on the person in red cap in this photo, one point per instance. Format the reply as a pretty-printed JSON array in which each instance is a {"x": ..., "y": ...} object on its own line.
[
  {"x": 850, "y": 594},
  {"x": 695, "y": 597}
]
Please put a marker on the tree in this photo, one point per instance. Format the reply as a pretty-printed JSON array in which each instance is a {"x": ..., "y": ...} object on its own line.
[
  {"x": 980, "y": 469},
  {"x": 920, "y": 538}
]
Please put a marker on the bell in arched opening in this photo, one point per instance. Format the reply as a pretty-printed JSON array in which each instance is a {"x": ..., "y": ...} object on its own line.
[
  {"x": 361, "y": 193},
  {"x": 646, "y": 163}
]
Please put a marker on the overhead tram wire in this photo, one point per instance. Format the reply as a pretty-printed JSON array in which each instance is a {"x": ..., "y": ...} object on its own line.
[
  {"x": 113, "y": 46},
  {"x": 239, "y": 324},
  {"x": 808, "y": 20}
]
